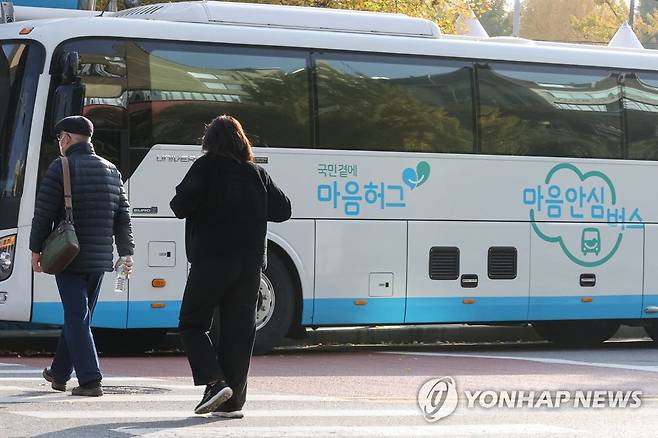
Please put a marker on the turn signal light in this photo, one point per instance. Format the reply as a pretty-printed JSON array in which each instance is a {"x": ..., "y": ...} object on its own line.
[
  {"x": 6, "y": 242},
  {"x": 469, "y": 301},
  {"x": 360, "y": 302},
  {"x": 586, "y": 300},
  {"x": 159, "y": 282},
  {"x": 158, "y": 305},
  {"x": 25, "y": 31}
]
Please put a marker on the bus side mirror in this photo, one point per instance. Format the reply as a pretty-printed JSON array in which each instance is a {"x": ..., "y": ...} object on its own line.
[
  {"x": 69, "y": 97},
  {"x": 68, "y": 100}
]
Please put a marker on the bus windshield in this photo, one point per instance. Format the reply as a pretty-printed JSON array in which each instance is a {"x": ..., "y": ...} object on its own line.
[{"x": 20, "y": 66}]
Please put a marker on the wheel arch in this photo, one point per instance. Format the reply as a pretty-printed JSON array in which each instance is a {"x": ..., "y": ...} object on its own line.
[{"x": 293, "y": 262}]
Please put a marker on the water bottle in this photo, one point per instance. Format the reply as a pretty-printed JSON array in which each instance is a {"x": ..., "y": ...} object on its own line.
[{"x": 121, "y": 283}]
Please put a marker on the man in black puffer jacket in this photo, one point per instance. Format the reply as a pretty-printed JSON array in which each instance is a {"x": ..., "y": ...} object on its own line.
[{"x": 100, "y": 212}]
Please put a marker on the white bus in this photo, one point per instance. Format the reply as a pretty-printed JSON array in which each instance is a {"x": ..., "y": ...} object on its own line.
[{"x": 434, "y": 179}]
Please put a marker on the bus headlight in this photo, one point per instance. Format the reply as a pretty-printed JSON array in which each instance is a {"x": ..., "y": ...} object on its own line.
[{"x": 7, "y": 252}]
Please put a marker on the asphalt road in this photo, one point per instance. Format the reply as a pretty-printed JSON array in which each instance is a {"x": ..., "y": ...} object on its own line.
[{"x": 355, "y": 391}]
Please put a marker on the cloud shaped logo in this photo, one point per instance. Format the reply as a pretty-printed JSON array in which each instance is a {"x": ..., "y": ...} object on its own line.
[
  {"x": 566, "y": 192},
  {"x": 416, "y": 177}
]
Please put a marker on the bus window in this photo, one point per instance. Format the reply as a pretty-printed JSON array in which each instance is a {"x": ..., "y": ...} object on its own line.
[
  {"x": 549, "y": 111},
  {"x": 394, "y": 104},
  {"x": 177, "y": 88},
  {"x": 641, "y": 106},
  {"x": 20, "y": 66}
]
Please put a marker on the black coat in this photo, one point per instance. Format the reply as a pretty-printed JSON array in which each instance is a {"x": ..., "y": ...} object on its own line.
[
  {"x": 226, "y": 205},
  {"x": 100, "y": 209}
]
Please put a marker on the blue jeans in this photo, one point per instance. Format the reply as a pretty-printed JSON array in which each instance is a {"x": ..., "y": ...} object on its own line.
[{"x": 76, "y": 348}]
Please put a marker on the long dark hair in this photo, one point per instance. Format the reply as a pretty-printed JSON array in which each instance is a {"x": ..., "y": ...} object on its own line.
[{"x": 224, "y": 136}]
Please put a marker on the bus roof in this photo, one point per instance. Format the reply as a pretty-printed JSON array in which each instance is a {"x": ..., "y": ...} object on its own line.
[{"x": 245, "y": 29}]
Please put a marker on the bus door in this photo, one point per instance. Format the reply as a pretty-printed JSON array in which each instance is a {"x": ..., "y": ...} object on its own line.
[
  {"x": 467, "y": 271},
  {"x": 360, "y": 272},
  {"x": 160, "y": 271},
  {"x": 650, "y": 292}
]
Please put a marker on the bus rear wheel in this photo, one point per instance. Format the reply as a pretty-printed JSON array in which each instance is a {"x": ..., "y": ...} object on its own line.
[
  {"x": 276, "y": 304},
  {"x": 576, "y": 333}
]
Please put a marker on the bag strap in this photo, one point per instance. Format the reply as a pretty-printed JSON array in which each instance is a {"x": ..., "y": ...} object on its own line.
[{"x": 68, "y": 199}]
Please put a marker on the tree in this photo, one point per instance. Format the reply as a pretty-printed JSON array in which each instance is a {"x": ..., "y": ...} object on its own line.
[
  {"x": 443, "y": 12},
  {"x": 647, "y": 8},
  {"x": 498, "y": 20},
  {"x": 551, "y": 20}
]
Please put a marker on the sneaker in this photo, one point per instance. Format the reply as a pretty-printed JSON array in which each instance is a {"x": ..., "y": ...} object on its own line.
[
  {"x": 48, "y": 375},
  {"x": 91, "y": 389},
  {"x": 216, "y": 394}
]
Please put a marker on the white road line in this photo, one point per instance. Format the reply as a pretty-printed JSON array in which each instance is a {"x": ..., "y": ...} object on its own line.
[
  {"x": 11, "y": 365},
  {"x": 15, "y": 388},
  {"x": 154, "y": 398},
  {"x": 648, "y": 368},
  {"x": 105, "y": 379},
  {"x": 263, "y": 413},
  {"x": 21, "y": 371},
  {"x": 503, "y": 430}
]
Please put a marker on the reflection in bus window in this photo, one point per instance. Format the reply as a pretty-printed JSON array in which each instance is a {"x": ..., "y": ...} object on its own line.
[
  {"x": 549, "y": 111},
  {"x": 176, "y": 89},
  {"x": 394, "y": 104},
  {"x": 641, "y": 106}
]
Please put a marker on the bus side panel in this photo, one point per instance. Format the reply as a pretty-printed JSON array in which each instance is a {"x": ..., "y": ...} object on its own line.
[
  {"x": 650, "y": 298},
  {"x": 431, "y": 300},
  {"x": 561, "y": 286},
  {"x": 111, "y": 309},
  {"x": 159, "y": 255},
  {"x": 360, "y": 272}
]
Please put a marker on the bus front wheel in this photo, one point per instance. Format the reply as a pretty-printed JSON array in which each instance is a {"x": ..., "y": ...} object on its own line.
[
  {"x": 276, "y": 304},
  {"x": 576, "y": 333}
]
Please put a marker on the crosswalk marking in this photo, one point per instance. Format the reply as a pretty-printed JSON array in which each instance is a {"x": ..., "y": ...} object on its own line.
[
  {"x": 58, "y": 397},
  {"x": 105, "y": 379},
  {"x": 432, "y": 430},
  {"x": 262, "y": 413},
  {"x": 21, "y": 371}
]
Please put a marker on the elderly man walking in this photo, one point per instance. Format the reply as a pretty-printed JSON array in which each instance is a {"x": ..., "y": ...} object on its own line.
[{"x": 100, "y": 212}]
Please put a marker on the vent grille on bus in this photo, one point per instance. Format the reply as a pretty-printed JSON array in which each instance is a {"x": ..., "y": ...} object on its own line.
[
  {"x": 502, "y": 263},
  {"x": 144, "y": 10},
  {"x": 444, "y": 263}
]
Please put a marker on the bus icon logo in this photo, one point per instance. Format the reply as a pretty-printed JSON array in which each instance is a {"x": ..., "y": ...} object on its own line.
[
  {"x": 437, "y": 398},
  {"x": 591, "y": 241}
]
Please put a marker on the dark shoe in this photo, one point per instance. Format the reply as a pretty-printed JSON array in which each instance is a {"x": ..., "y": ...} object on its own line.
[
  {"x": 91, "y": 389},
  {"x": 48, "y": 375},
  {"x": 216, "y": 394}
]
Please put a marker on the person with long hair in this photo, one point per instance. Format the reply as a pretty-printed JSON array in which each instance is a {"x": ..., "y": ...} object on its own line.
[{"x": 226, "y": 200}]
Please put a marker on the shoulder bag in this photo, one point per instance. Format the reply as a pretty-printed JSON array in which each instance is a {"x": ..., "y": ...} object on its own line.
[{"x": 62, "y": 246}]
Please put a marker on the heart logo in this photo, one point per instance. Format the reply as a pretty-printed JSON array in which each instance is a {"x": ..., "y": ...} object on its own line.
[{"x": 416, "y": 177}]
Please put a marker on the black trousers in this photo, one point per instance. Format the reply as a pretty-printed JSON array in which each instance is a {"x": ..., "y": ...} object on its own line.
[{"x": 232, "y": 285}]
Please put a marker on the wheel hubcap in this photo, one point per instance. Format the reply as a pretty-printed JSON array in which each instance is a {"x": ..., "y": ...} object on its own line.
[{"x": 265, "y": 307}]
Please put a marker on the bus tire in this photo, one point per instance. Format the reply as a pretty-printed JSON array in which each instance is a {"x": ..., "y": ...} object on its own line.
[
  {"x": 576, "y": 333},
  {"x": 276, "y": 305}
]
